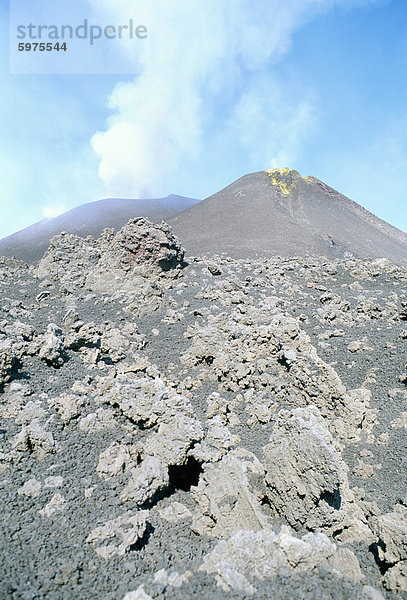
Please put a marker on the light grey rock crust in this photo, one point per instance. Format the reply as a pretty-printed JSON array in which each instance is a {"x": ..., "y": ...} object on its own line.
[{"x": 214, "y": 428}]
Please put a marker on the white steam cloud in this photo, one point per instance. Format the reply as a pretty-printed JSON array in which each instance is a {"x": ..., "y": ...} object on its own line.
[{"x": 205, "y": 86}]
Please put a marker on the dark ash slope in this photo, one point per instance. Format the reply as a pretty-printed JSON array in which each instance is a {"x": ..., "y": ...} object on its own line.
[
  {"x": 280, "y": 213},
  {"x": 30, "y": 243}
]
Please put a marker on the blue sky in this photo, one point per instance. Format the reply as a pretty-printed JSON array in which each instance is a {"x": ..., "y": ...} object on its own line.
[{"x": 319, "y": 86}]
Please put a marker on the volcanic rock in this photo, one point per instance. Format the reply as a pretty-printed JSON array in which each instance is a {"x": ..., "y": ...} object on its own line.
[{"x": 177, "y": 429}]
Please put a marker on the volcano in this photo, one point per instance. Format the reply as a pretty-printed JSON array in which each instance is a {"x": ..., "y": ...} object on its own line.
[
  {"x": 91, "y": 218},
  {"x": 281, "y": 213}
]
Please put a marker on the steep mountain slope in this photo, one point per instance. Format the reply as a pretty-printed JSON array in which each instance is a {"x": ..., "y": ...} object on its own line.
[
  {"x": 280, "y": 213},
  {"x": 30, "y": 243}
]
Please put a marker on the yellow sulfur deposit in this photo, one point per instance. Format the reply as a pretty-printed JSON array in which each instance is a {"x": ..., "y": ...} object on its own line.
[{"x": 286, "y": 179}]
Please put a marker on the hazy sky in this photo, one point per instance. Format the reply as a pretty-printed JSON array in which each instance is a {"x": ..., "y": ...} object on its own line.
[{"x": 227, "y": 88}]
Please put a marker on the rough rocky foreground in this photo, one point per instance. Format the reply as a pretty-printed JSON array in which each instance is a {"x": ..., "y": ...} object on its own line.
[{"x": 208, "y": 428}]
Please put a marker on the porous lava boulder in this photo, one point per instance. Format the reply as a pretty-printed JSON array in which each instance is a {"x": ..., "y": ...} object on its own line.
[
  {"x": 68, "y": 259},
  {"x": 8, "y": 362},
  {"x": 139, "y": 248},
  {"x": 141, "y": 243},
  {"x": 140, "y": 251}
]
